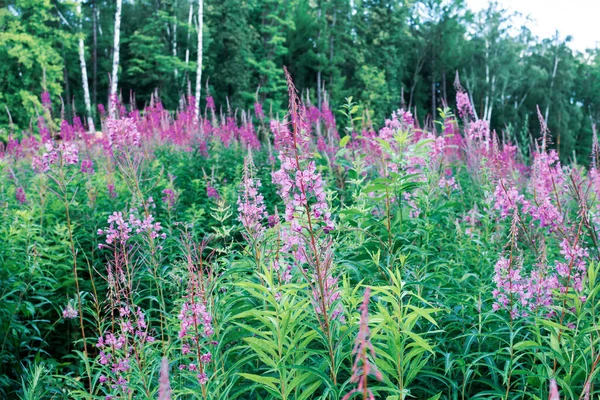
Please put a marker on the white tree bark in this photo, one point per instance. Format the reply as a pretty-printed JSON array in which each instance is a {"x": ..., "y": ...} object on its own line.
[
  {"x": 84, "y": 76},
  {"x": 554, "y": 70},
  {"x": 199, "y": 68},
  {"x": 115, "y": 66},
  {"x": 174, "y": 43},
  {"x": 187, "y": 50}
]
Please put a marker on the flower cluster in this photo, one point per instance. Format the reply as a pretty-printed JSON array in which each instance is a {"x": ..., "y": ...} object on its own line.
[
  {"x": 69, "y": 312},
  {"x": 463, "y": 105},
  {"x": 87, "y": 167},
  {"x": 170, "y": 197},
  {"x": 251, "y": 204},
  {"x": 363, "y": 366},
  {"x": 123, "y": 132},
  {"x": 258, "y": 111},
  {"x": 212, "y": 192},
  {"x": 66, "y": 153},
  {"x": 20, "y": 195},
  {"x": 120, "y": 230},
  {"x": 195, "y": 327},
  {"x": 302, "y": 191},
  {"x": 119, "y": 348}
]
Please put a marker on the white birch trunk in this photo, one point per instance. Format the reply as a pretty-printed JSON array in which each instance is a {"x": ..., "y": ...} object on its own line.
[
  {"x": 187, "y": 51},
  {"x": 115, "y": 65},
  {"x": 84, "y": 76},
  {"x": 175, "y": 35},
  {"x": 487, "y": 80},
  {"x": 199, "y": 67},
  {"x": 553, "y": 78}
]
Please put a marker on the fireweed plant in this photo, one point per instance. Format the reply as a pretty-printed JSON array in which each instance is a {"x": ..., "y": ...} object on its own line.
[{"x": 246, "y": 255}]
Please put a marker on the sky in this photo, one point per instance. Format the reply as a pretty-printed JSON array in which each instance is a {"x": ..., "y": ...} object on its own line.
[{"x": 578, "y": 18}]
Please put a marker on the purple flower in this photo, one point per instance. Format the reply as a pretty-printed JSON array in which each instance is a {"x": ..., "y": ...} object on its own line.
[
  {"x": 111, "y": 190},
  {"x": 251, "y": 205},
  {"x": 164, "y": 388},
  {"x": 463, "y": 104},
  {"x": 123, "y": 133},
  {"x": 46, "y": 101},
  {"x": 20, "y": 195},
  {"x": 203, "y": 378},
  {"x": 210, "y": 103},
  {"x": 69, "y": 312},
  {"x": 363, "y": 366},
  {"x": 211, "y": 192},
  {"x": 169, "y": 198},
  {"x": 87, "y": 167},
  {"x": 258, "y": 111},
  {"x": 206, "y": 358}
]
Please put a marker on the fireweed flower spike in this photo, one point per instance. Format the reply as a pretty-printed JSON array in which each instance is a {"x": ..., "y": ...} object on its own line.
[
  {"x": 164, "y": 389},
  {"x": 251, "y": 204},
  {"x": 554, "y": 395},
  {"x": 302, "y": 190},
  {"x": 363, "y": 349}
]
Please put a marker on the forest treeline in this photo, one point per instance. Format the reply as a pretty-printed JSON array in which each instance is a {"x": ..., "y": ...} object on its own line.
[{"x": 385, "y": 54}]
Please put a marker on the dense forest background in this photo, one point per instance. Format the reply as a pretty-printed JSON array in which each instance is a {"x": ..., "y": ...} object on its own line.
[{"x": 386, "y": 54}]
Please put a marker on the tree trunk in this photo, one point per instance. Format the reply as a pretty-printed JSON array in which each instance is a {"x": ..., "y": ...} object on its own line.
[
  {"x": 319, "y": 14},
  {"x": 487, "y": 80},
  {"x": 331, "y": 43},
  {"x": 112, "y": 101},
  {"x": 445, "y": 93},
  {"x": 553, "y": 78},
  {"x": 94, "y": 54},
  {"x": 67, "y": 99},
  {"x": 84, "y": 76},
  {"x": 199, "y": 67},
  {"x": 174, "y": 41},
  {"x": 492, "y": 95},
  {"x": 433, "y": 88},
  {"x": 187, "y": 51}
]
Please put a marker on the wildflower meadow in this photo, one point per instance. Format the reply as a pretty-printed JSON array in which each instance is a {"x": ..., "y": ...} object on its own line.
[{"x": 305, "y": 255}]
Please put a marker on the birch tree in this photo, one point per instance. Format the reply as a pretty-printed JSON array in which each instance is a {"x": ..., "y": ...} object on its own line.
[
  {"x": 174, "y": 38},
  {"x": 199, "y": 67},
  {"x": 84, "y": 76},
  {"x": 189, "y": 30},
  {"x": 115, "y": 65}
]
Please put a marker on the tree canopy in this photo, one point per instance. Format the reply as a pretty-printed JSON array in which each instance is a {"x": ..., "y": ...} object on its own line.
[{"x": 384, "y": 54}]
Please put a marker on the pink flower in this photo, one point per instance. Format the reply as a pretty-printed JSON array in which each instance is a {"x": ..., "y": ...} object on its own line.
[
  {"x": 363, "y": 366},
  {"x": 87, "y": 167},
  {"x": 164, "y": 388},
  {"x": 554, "y": 395},
  {"x": 69, "y": 312},
  {"x": 211, "y": 192},
  {"x": 258, "y": 111},
  {"x": 210, "y": 103},
  {"x": 463, "y": 104},
  {"x": 20, "y": 195},
  {"x": 46, "y": 101},
  {"x": 123, "y": 133},
  {"x": 251, "y": 205}
]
